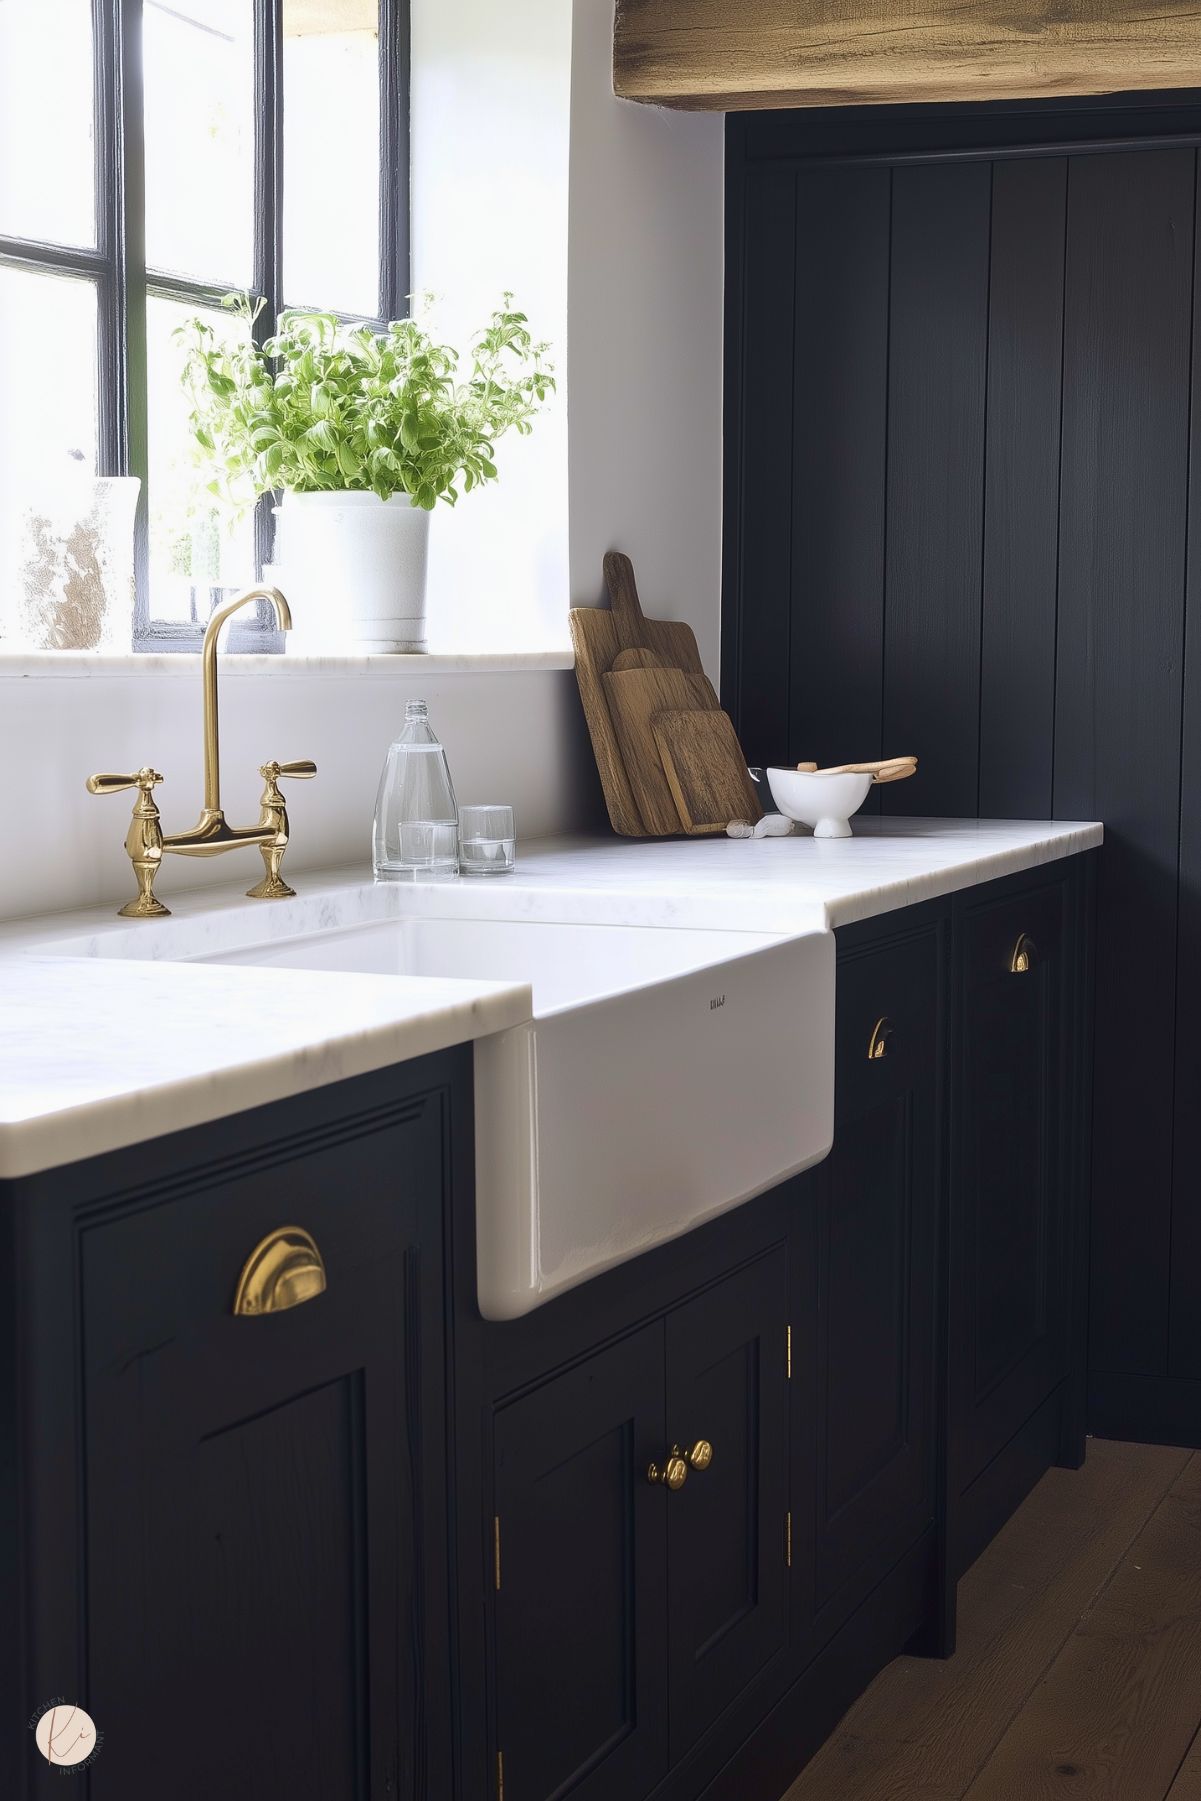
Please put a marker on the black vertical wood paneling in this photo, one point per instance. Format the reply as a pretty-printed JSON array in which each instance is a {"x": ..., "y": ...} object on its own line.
[
  {"x": 1118, "y": 691},
  {"x": 840, "y": 409},
  {"x": 1021, "y": 507},
  {"x": 766, "y": 473},
  {"x": 1040, "y": 549},
  {"x": 1185, "y": 1324},
  {"x": 940, "y": 255}
]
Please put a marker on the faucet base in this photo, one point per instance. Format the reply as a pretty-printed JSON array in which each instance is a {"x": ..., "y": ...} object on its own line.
[
  {"x": 272, "y": 886},
  {"x": 146, "y": 906}
]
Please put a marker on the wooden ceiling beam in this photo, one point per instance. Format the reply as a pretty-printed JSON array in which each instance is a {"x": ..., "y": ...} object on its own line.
[{"x": 727, "y": 55}]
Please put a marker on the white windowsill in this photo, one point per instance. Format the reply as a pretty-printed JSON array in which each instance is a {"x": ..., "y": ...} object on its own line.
[{"x": 83, "y": 665}]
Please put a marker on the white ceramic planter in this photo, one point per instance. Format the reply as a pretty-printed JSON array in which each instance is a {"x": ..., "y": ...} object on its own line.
[{"x": 353, "y": 568}]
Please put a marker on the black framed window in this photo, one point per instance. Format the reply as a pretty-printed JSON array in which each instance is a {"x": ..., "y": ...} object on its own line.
[{"x": 154, "y": 156}]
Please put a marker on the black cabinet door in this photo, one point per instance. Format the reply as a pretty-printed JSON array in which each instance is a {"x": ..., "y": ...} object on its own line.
[
  {"x": 728, "y": 1531},
  {"x": 877, "y": 1241},
  {"x": 1010, "y": 1257},
  {"x": 255, "y": 1530},
  {"x": 580, "y": 1569}
]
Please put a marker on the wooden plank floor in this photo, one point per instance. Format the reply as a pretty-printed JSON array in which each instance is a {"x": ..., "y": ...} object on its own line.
[{"x": 1078, "y": 1672}]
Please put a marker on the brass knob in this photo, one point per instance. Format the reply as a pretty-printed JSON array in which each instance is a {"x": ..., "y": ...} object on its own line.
[
  {"x": 1025, "y": 955},
  {"x": 284, "y": 1270},
  {"x": 877, "y": 1044},
  {"x": 673, "y": 1473}
]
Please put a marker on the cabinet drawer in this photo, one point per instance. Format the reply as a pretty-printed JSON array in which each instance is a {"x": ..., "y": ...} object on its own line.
[
  {"x": 1014, "y": 935},
  {"x": 889, "y": 996}
]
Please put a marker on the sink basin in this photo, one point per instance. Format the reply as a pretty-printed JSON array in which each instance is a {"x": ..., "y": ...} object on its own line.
[{"x": 666, "y": 1075}]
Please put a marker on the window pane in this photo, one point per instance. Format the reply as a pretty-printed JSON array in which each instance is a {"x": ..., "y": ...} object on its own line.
[
  {"x": 331, "y": 154},
  {"x": 47, "y": 414},
  {"x": 197, "y": 550},
  {"x": 198, "y": 69},
  {"x": 47, "y": 166}
]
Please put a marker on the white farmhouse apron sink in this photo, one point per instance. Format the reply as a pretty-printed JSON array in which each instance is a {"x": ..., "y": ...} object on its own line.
[{"x": 667, "y": 1072}]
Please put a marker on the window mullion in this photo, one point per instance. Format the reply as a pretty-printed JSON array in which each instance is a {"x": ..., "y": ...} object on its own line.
[
  {"x": 268, "y": 218},
  {"x": 130, "y": 281},
  {"x": 394, "y": 67}
]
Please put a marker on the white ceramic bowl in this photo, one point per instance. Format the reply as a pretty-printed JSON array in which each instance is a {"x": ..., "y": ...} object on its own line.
[{"x": 824, "y": 802}]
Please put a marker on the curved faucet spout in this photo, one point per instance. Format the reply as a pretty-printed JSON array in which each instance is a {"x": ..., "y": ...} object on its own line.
[{"x": 208, "y": 656}]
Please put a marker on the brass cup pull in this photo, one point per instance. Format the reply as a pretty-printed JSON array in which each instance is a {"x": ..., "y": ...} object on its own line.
[
  {"x": 877, "y": 1044},
  {"x": 672, "y": 1472},
  {"x": 284, "y": 1270},
  {"x": 1025, "y": 955}
]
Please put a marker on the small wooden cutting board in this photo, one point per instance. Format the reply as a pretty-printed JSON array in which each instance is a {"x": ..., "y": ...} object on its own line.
[
  {"x": 635, "y": 696},
  {"x": 705, "y": 770},
  {"x": 599, "y": 635}
]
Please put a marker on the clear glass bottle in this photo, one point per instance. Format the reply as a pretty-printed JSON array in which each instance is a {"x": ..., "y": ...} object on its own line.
[{"x": 416, "y": 833}]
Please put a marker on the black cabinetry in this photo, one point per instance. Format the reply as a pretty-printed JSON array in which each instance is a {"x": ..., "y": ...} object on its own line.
[
  {"x": 232, "y": 1544},
  {"x": 640, "y": 1543}
]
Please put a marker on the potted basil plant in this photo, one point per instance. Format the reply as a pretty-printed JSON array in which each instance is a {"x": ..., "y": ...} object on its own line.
[{"x": 363, "y": 431}]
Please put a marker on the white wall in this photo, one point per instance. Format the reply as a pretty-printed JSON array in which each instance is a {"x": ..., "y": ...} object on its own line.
[
  {"x": 606, "y": 219},
  {"x": 644, "y": 363},
  {"x": 511, "y": 736},
  {"x": 490, "y": 126}
]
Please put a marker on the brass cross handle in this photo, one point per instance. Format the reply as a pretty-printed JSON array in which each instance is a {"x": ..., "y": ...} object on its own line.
[
  {"x": 271, "y": 772},
  {"x": 673, "y": 1472},
  {"x": 145, "y": 779}
]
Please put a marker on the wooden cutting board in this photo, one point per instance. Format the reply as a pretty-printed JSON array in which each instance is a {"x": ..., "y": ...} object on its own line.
[
  {"x": 598, "y": 636},
  {"x": 634, "y": 697},
  {"x": 705, "y": 770}
]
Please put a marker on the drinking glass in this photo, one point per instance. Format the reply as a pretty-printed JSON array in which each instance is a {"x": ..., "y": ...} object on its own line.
[{"x": 487, "y": 844}]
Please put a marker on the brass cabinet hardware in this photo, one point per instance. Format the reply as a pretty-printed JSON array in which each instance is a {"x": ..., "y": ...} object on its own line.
[
  {"x": 284, "y": 1270},
  {"x": 496, "y": 1550},
  {"x": 1025, "y": 955},
  {"x": 673, "y": 1471},
  {"x": 500, "y": 1776},
  {"x": 788, "y": 1541},
  {"x": 877, "y": 1044},
  {"x": 146, "y": 843},
  {"x": 789, "y": 1354}
]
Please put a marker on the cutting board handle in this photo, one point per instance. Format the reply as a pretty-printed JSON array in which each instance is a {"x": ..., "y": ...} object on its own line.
[{"x": 623, "y": 600}]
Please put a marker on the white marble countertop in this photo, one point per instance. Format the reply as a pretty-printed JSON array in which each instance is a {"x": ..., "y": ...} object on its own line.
[
  {"x": 106, "y": 1041},
  {"x": 777, "y": 884},
  {"x": 96, "y": 1054}
]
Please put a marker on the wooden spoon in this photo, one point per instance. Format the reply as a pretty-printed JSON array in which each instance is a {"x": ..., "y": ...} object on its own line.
[{"x": 892, "y": 769}]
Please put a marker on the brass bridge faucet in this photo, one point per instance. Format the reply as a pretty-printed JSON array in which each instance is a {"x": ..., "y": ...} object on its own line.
[{"x": 146, "y": 842}]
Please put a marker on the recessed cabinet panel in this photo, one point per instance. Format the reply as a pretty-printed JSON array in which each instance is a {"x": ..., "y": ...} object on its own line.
[
  {"x": 254, "y": 1487},
  {"x": 1010, "y": 1255},
  {"x": 728, "y": 1579},
  {"x": 580, "y": 1555},
  {"x": 877, "y": 1228}
]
